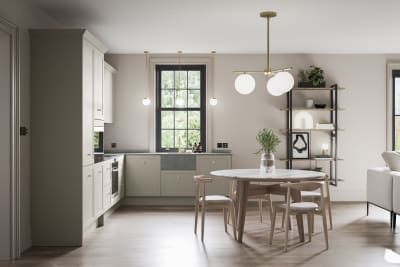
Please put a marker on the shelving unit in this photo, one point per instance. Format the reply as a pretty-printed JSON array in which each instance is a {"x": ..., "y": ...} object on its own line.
[{"x": 333, "y": 109}]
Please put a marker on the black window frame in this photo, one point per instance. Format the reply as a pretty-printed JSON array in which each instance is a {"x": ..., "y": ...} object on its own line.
[
  {"x": 395, "y": 74},
  {"x": 203, "y": 90}
]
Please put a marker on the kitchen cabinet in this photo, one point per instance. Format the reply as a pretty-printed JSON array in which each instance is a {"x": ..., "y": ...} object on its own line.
[
  {"x": 98, "y": 97},
  {"x": 205, "y": 164},
  {"x": 177, "y": 183},
  {"x": 66, "y": 71},
  {"x": 121, "y": 176},
  {"x": 87, "y": 205},
  {"x": 108, "y": 90},
  {"x": 142, "y": 175},
  {"x": 98, "y": 190},
  {"x": 107, "y": 184}
]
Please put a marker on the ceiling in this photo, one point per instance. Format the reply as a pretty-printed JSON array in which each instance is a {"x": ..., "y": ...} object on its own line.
[{"x": 234, "y": 26}]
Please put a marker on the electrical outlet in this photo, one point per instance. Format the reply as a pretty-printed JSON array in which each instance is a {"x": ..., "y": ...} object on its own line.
[
  {"x": 113, "y": 145},
  {"x": 225, "y": 145}
]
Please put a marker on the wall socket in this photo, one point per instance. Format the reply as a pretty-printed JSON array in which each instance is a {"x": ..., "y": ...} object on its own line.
[
  {"x": 222, "y": 145},
  {"x": 113, "y": 145}
]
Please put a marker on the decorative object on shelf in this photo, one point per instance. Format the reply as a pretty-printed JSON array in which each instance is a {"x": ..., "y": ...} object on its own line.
[
  {"x": 325, "y": 126},
  {"x": 146, "y": 101},
  {"x": 319, "y": 105},
  {"x": 309, "y": 103},
  {"x": 197, "y": 148},
  {"x": 313, "y": 77},
  {"x": 268, "y": 141},
  {"x": 300, "y": 145},
  {"x": 325, "y": 149},
  {"x": 303, "y": 120},
  {"x": 280, "y": 81}
]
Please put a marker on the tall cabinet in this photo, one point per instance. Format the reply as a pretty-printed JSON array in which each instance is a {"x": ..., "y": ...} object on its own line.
[{"x": 67, "y": 73}]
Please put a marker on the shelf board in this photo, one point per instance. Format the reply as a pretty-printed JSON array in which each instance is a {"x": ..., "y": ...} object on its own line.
[
  {"x": 312, "y": 109},
  {"x": 310, "y": 130},
  {"x": 315, "y": 159},
  {"x": 316, "y": 89}
]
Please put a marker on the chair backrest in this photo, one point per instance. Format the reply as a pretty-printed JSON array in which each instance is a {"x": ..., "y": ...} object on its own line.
[
  {"x": 304, "y": 186},
  {"x": 200, "y": 182}
]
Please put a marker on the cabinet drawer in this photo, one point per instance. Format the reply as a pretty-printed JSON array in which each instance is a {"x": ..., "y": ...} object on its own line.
[
  {"x": 177, "y": 183},
  {"x": 142, "y": 175},
  {"x": 178, "y": 163},
  {"x": 207, "y": 164}
]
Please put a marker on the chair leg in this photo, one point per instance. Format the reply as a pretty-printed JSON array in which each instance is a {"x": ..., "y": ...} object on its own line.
[
  {"x": 394, "y": 220},
  {"x": 260, "y": 207},
  {"x": 325, "y": 228},
  {"x": 196, "y": 214},
  {"x": 225, "y": 220},
  {"x": 233, "y": 212},
  {"x": 203, "y": 215},
  {"x": 273, "y": 220},
  {"x": 310, "y": 225},
  {"x": 283, "y": 221},
  {"x": 270, "y": 208},
  {"x": 286, "y": 228},
  {"x": 330, "y": 215},
  {"x": 367, "y": 208}
]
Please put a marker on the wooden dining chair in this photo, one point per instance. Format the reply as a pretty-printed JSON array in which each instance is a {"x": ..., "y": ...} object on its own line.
[
  {"x": 300, "y": 208},
  {"x": 315, "y": 196},
  {"x": 204, "y": 201}
]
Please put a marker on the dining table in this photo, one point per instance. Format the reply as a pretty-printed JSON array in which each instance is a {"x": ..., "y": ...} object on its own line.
[{"x": 243, "y": 178}]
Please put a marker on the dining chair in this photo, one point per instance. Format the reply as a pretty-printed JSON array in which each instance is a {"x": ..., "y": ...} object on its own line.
[
  {"x": 300, "y": 208},
  {"x": 315, "y": 196},
  {"x": 204, "y": 201}
]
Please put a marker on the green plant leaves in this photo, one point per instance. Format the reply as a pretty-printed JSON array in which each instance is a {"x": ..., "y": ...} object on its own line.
[{"x": 268, "y": 140}]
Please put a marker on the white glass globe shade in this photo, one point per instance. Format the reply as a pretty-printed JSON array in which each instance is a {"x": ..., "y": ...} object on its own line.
[
  {"x": 245, "y": 84},
  {"x": 281, "y": 83},
  {"x": 146, "y": 101},
  {"x": 213, "y": 101}
]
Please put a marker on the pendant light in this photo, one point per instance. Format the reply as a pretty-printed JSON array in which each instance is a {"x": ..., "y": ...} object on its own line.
[
  {"x": 213, "y": 99},
  {"x": 146, "y": 100},
  {"x": 179, "y": 101},
  {"x": 280, "y": 80}
]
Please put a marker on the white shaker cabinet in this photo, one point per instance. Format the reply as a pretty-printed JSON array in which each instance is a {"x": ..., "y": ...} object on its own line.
[
  {"x": 98, "y": 97},
  {"x": 87, "y": 205},
  {"x": 177, "y": 183},
  {"x": 205, "y": 164},
  {"x": 107, "y": 184},
  {"x": 142, "y": 175},
  {"x": 108, "y": 88},
  {"x": 98, "y": 190}
]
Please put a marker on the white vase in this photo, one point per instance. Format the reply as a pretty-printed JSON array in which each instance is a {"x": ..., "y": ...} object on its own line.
[{"x": 267, "y": 163}]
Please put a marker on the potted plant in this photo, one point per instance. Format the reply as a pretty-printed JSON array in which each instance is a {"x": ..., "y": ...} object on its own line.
[
  {"x": 313, "y": 77},
  {"x": 268, "y": 141}
]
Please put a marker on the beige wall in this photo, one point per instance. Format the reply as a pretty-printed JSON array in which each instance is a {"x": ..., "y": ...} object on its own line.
[
  {"x": 25, "y": 17},
  {"x": 236, "y": 119}
]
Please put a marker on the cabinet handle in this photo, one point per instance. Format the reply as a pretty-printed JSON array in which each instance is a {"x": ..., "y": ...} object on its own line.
[
  {"x": 89, "y": 154},
  {"x": 89, "y": 175},
  {"x": 99, "y": 172},
  {"x": 144, "y": 162},
  {"x": 213, "y": 162},
  {"x": 99, "y": 109}
]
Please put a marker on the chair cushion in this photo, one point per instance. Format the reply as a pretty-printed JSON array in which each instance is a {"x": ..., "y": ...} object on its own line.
[
  {"x": 392, "y": 159},
  {"x": 301, "y": 206},
  {"x": 216, "y": 199}
]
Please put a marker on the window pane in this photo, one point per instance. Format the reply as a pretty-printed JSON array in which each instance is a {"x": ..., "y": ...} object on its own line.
[
  {"x": 167, "y": 138},
  {"x": 194, "y": 137},
  {"x": 397, "y": 96},
  {"x": 180, "y": 119},
  {"x": 194, "y": 98},
  {"x": 167, "y": 79},
  {"x": 167, "y": 120},
  {"x": 194, "y": 79},
  {"x": 180, "y": 138},
  {"x": 180, "y": 79},
  {"x": 181, "y": 99},
  {"x": 167, "y": 98},
  {"x": 194, "y": 120}
]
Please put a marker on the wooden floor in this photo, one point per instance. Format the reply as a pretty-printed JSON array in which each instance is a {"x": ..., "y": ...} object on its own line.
[{"x": 164, "y": 238}]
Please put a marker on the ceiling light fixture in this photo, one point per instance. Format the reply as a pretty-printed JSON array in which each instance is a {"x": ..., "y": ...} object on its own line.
[
  {"x": 179, "y": 101},
  {"x": 146, "y": 101},
  {"x": 280, "y": 81},
  {"x": 213, "y": 100}
]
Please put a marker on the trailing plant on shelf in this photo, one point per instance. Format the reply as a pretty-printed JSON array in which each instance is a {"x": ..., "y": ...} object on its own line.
[
  {"x": 313, "y": 77},
  {"x": 269, "y": 142}
]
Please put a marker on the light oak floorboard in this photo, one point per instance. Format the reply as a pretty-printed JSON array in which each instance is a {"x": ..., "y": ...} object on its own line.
[{"x": 159, "y": 237}]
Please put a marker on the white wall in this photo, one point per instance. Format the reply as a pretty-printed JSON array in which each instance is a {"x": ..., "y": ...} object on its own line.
[
  {"x": 25, "y": 16},
  {"x": 237, "y": 118}
]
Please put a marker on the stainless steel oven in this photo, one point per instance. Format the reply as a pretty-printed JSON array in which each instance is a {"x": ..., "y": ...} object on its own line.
[
  {"x": 98, "y": 141},
  {"x": 114, "y": 178}
]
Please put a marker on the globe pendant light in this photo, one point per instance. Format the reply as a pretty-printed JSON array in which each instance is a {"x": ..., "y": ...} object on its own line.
[
  {"x": 280, "y": 82},
  {"x": 179, "y": 101}
]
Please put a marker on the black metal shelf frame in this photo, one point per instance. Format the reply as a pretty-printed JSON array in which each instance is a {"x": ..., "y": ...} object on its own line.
[{"x": 333, "y": 168}]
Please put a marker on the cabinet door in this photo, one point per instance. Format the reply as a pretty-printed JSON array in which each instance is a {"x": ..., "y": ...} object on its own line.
[
  {"x": 87, "y": 108},
  {"x": 87, "y": 199},
  {"x": 206, "y": 164},
  {"x": 121, "y": 178},
  {"x": 177, "y": 183},
  {"x": 108, "y": 95},
  {"x": 142, "y": 175},
  {"x": 98, "y": 190},
  {"x": 106, "y": 185},
  {"x": 98, "y": 70}
]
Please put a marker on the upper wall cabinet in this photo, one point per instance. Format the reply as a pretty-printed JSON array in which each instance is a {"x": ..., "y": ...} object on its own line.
[
  {"x": 108, "y": 90},
  {"x": 98, "y": 97}
]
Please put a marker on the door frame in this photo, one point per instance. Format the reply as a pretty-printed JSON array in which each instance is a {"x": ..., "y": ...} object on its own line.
[{"x": 12, "y": 29}]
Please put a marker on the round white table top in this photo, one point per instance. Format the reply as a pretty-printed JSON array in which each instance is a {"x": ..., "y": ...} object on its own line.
[{"x": 278, "y": 175}]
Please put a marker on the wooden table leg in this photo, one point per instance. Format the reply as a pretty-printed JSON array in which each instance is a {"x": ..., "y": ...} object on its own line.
[
  {"x": 242, "y": 194},
  {"x": 296, "y": 196}
]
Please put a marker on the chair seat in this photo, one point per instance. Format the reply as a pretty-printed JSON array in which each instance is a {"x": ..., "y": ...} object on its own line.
[
  {"x": 310, "y": 194},
  {"x": 300, "y": 206},
  {"x": 216, "y": 199}
]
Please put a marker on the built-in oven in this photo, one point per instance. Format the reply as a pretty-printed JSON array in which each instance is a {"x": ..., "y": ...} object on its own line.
[
  {"x": 98, "y": 141},
  {"x": 114, "y": 178}
]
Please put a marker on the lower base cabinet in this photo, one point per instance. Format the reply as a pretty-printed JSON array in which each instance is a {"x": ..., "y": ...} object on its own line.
[
  {"x": 177, "y": 183},
  {"x": 98, "y": 190},
  {"x": 87, "y": 201},
  {"x": 206, "y": 164}
]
